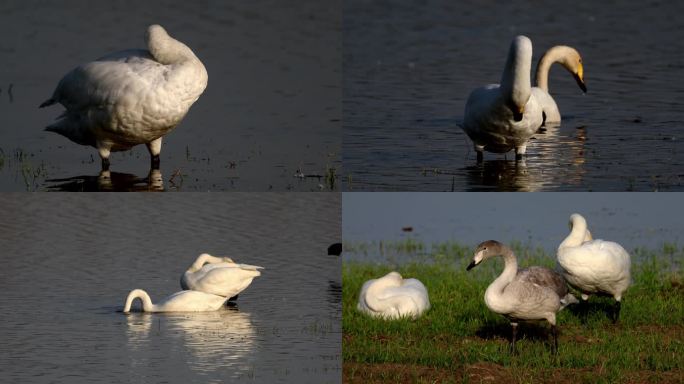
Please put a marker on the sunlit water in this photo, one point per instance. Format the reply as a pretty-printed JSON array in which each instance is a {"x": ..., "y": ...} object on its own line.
[
  {"x": 642, "y": 220},
  {"x": 69, "y": 262},
  {"x": 272, "y": 106},
  {"x": 410, "y": 66}
]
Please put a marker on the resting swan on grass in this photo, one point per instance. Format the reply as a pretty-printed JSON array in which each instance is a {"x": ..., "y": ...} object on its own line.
[
  {"x": 183, "y": 301},
  {"x": 499, "y": 118},
  {"x": 219, "y": 276},
  {"x": 571, "y": 60},
  {"x": 129, "y": 97},
  {"x": 534, "y": 293},
  {"x": 392, "y": 297},
  {"x": 594, "y": 267}
]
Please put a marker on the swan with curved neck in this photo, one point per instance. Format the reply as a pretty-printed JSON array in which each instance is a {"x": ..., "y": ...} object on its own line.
[
  {"x": 571, "y": 60},
  {"x": 219, "y": 276},
  {"x": 518, "y": 295},
  {"x": 595, "y": 266},
  {"x": 183, "y": 301},
  {"x": 499, "y": 118},
  {"x": 129, "y": 97},
  {"x": 393, "y": 297}
]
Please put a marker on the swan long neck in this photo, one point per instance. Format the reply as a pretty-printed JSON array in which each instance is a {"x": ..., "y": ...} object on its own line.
[
  {"x": 497, "y": 287},
  {"x": 559, "y": 54},
  {"x": 144, "y": 298},
  {"x": 515, "y": 82},
  {"x": 204, "y": 259},
  {"x": 578, "y": 232},
  {"x": 165, "y": 48}
]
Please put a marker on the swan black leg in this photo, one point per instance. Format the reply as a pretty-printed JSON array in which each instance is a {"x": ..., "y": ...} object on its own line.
[
  {"x": 554, "y": 331},
  {"x": 518, "y": 156},
  {"x": 514, "y": 334},
  {"x": 616, "y": 311},
  {"x": 105, "y": 164},
  {"x": 155, "y": 162},
  {"x": 233, "y": 298},
  {"x": 480, "y": 157}
]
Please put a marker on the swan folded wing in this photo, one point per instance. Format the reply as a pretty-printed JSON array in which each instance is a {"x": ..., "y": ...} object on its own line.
[
  {"x": 544, "y": 277},
  {"x": 529, "y": 301}
]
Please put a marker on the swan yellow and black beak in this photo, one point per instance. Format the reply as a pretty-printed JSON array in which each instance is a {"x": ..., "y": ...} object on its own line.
[{"x": 579, "y": 77}]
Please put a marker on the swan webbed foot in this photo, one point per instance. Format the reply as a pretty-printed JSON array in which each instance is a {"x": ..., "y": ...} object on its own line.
[{"x": 155, "y": 162}]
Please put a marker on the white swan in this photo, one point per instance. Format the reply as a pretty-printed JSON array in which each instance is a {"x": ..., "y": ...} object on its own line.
[
  {"x": 129, "y": 97},
  {"x": 183, "y": 301},
  {"x": 219, "y": 276},
  {"x": 392, "y": 297},
  {"x": 571, "y": 60},
  {"x": 532, "y": 294},
  {"x": 499, "y": 118},
  {"x": 594, "y": 267}
]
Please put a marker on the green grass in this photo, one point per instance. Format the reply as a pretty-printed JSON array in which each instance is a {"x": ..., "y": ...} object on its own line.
[{"x": 460, "y": 340}]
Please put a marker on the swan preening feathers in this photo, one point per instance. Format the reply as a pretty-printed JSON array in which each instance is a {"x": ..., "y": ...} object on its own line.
[
  {"x": 502, "y": 117},
  {"x": 207, "y": 285},
  {"x": 392, "y": 297},
  {"x": 595, "y": 266},
  {"x": 129, "y": 97},
  {"x": 535, "y": 293},
  {"x": 219, "y": 276}
]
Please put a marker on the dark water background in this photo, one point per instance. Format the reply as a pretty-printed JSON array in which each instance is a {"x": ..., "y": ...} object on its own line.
[
  {"x": 272, "y": 105},
  {"x": 409, "y": 67},
  {"x": 69, "y": 261},
  {"x": 647, "y": 220}
]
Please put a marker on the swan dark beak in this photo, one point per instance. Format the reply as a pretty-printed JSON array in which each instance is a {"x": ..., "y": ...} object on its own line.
[
  {"x": 472, "y": 265},
  {"x": 580, "y": 82},
  {"x": 517, "y": 112}
]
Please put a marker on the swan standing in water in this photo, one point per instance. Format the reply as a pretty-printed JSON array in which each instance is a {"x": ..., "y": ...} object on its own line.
[
  {"x": 129, "y": 97},
  {"x": 571, "y": 60},
  {"x": 183, "y": 301},
  {"x": 392, "y": 297},
  {"x": 535, "y": 293},
  {"x": 499, "y": 118},
  {"x": 594, "y": 267},
  {"x": 219, "y": 276}
]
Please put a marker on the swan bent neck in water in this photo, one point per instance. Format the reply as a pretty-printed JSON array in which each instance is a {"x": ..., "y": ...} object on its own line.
[
  {"x": 571, "y": 60},
  {"x": 534, "y": 293},
  {"x": 392, "y": 297},
  {"x": 183, "y": 301},
  {"x": 594, "y": 267},
  {"x": 129, "y": 97},
  {"x": 219, "y": 276},
  {"x": 499, "y": 118}
]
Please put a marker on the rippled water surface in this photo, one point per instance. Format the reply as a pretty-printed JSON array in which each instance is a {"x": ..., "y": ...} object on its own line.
[
  {"x": 271, "y": 110},
  {"x": 69, "y": 262},
  {"x": 646, "y": 220},
  {"x": 410, "y": 66}
]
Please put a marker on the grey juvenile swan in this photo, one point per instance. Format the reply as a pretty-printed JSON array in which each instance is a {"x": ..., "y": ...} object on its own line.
[
  {"x": 129, "y": 97},
  {"x": 534, "y": 293}
]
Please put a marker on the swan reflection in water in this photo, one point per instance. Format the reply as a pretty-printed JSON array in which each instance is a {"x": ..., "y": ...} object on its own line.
[
  {"x": 219, "y": 341},
  {"x": 110, "y": 182},
  {"x": 559, "y": 161}
]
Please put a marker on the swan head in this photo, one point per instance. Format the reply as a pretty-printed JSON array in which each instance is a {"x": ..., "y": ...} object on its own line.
[
  {"x": 164, "y": 48},
  {"x": 578, "y": 220},
  {"x": 485, "y": 250},
  {"x": 393, "y": 276},
  {"x": 571, "y": 60}
]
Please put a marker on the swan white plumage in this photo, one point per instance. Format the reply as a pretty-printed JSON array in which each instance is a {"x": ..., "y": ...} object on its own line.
[
  {"x": 594, "y": 267},
  {"x": 219, "y": 276},
  {"x": 183, "y": 301},
  {"x": 129, "y": 97},
  {"x": 499, "y": 118},
  {"x": 532, "y": 294},
  {"x": 571, "y": 60},
  {"x": 392, "y": 297}
]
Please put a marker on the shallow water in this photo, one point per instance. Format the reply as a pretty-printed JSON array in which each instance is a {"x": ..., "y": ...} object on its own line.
[
  {"x": 645, "y": 220},
  {"x": 69, "y": 262},
  {"x": 272, "y": 106},
  {"x": 410, "y": 66}
]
